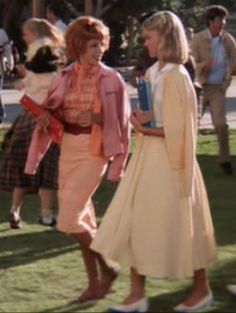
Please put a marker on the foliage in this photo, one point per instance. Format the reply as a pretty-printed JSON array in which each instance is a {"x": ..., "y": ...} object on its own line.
[{"x": 117, "y": 14}]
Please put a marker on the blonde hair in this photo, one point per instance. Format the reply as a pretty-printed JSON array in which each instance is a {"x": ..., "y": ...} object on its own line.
[
  {"x": 44, "y": 29},
  {"x": 173, "y": 46}
]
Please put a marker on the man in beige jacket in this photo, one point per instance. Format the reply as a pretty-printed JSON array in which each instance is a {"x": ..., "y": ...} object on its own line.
[{"x": 214, "y": 51}]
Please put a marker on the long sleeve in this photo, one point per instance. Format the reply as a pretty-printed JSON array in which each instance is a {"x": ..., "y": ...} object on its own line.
[
  {"x": 230, "y": 45},
  {"x": 202, "y": 52},
  {"x": 179, "y": 114},
  {"x": 117, "y": 167}
]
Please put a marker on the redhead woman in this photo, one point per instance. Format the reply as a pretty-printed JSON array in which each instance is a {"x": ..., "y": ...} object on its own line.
[
  {"x": 90, "y": 100},
  {"x": 159, "y": 222}
]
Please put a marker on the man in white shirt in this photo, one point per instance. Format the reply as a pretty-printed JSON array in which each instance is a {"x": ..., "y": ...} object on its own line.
[
  {"x": 54, "y": 15},
  {"x": 6, "y": 63}
]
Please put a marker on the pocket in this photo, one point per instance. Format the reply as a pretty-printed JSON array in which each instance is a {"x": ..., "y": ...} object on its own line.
[
  {"x": 111, "y": 96},
  {"x": 110, "y": 92}
]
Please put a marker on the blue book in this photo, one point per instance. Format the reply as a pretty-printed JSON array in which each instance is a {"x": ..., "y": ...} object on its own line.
[{"x": 145, "y": 98}]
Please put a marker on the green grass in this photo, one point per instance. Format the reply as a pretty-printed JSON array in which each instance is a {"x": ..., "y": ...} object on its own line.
[{"x": 41, "y": 270}]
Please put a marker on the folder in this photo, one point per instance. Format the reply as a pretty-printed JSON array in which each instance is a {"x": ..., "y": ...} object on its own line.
[
  {"x": 145, "y": 98},
  {"x": 55, "y": 126}
]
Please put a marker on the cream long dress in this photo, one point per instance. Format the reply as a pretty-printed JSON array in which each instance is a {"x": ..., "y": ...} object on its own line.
[{"x": 159, "y": 221}]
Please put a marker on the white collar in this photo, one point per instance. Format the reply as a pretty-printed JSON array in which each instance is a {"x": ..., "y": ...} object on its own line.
[
  {"x": 168, "y": 67},
  {"x": 211, "y": 37}
]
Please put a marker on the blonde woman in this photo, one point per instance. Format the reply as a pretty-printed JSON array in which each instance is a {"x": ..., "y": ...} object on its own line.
[
  {"x": 44, "y": 45},
  {"x": 159, "y": 222}
]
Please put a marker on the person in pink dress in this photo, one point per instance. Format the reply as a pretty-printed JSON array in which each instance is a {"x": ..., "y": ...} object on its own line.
[{"x": 91, "y": 101}]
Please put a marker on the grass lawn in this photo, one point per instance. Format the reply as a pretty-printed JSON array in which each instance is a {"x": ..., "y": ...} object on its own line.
[{"x": 41, "y": 270}]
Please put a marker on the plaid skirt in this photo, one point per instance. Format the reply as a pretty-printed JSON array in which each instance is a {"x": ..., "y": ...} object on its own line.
[{"x": 14, "y": 154}]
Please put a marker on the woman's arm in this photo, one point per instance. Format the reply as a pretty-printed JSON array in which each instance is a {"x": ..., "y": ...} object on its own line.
[
  {"x": 21, "y": 70},
  {"x": 19, "y": 84},
  {"x": 158, "y": 132}
]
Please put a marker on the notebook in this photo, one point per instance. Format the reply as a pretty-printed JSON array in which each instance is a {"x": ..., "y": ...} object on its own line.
[
  {"x": 145, "y": 98},
  {"x": 55, "y": 126}
]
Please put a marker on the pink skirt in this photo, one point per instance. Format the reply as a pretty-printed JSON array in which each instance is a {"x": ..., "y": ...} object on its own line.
[{"x": 80, "y": 174}]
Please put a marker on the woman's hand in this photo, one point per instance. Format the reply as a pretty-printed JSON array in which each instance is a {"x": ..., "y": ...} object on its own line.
[
  {"x": 43, "y": 122},
  {"x": 19, "y": 85},
  {"x": 21, "y": 70},
  {"x": 136, "y": 123},
  {"x": 142, "y": 116}
]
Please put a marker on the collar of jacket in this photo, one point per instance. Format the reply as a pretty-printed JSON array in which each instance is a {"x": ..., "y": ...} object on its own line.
[
  {"x": 105, "y": 70},
  {"x": 207, "y": 35}
]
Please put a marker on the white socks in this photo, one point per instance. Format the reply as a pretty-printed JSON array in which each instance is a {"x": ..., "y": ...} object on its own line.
[{"x": 15, "y": 212}]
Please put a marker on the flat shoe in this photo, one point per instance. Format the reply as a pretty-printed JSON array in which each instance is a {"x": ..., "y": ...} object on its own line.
[
  {"x": 205, "y": 302},
  {"x": 15, "y": 223},
  {"x": 52, "y": 222},
  {"x": 140, "y": 306},
  {"x": 87, "y": 299}
]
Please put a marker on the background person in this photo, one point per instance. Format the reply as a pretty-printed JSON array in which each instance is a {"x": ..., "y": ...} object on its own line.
[
  {"x": 43, "y": 41},
  {"x": 6, "y": 64},
  {"x": 214, "y": 51},
  {"x": 55, "y": 13}
]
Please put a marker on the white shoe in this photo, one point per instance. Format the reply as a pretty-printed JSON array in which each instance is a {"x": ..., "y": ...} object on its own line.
[
  {"x": 232, "y": 289},
  {"x": 205, "y": 302},
  {"x": 139, "y": 306}
]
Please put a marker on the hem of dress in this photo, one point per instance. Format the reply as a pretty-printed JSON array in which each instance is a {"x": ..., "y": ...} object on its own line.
[
  {"x": 73, "y": 231},
  {"x": 163, "y": 276}
]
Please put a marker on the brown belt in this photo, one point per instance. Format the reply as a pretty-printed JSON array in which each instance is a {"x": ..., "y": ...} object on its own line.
[{"x": 76, "y": 129}]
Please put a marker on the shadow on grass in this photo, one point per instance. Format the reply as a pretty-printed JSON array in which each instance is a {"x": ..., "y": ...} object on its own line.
[
  {"x": 219, "y": 276},
  {"x": 69, "y": 307},
  {"x": 23, "y": 249},
  {"x": 19, "y": 249}
]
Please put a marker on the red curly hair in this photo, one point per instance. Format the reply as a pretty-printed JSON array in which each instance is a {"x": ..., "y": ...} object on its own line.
[{"x": 80, "y": 31}]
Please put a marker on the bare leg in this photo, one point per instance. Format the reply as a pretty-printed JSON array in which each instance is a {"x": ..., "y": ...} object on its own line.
[
  {"x": 95, "y": 266},
  {"x": 17, "y": 200},
  {"x": 137, "y": 288},
  {"x": 89, "y": 258},
  {"x": 108, "y": 275},
  {"x": 47, "y": 197},
  {"x": 200, "y": 288}
]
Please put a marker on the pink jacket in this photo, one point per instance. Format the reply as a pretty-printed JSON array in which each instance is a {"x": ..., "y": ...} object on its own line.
[{"x": 116, "y": 111}]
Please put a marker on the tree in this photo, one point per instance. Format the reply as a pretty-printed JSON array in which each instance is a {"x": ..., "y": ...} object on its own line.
[
  {"x": 120, "y": 15},
  {"x": 97, "y": 8},
  {"x": 14, "y": 13}
]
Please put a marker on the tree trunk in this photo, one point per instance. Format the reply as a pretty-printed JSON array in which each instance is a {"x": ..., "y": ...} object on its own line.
[
  {"x": 131, "y": 33},
  {"x": 88, "y": 7},
  {"x": 99, "y": 7},
  {"x": 37, "y": 8}
]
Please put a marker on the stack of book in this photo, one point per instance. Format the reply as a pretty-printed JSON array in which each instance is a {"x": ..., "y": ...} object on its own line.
[{"x": 145, "y": 98}]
